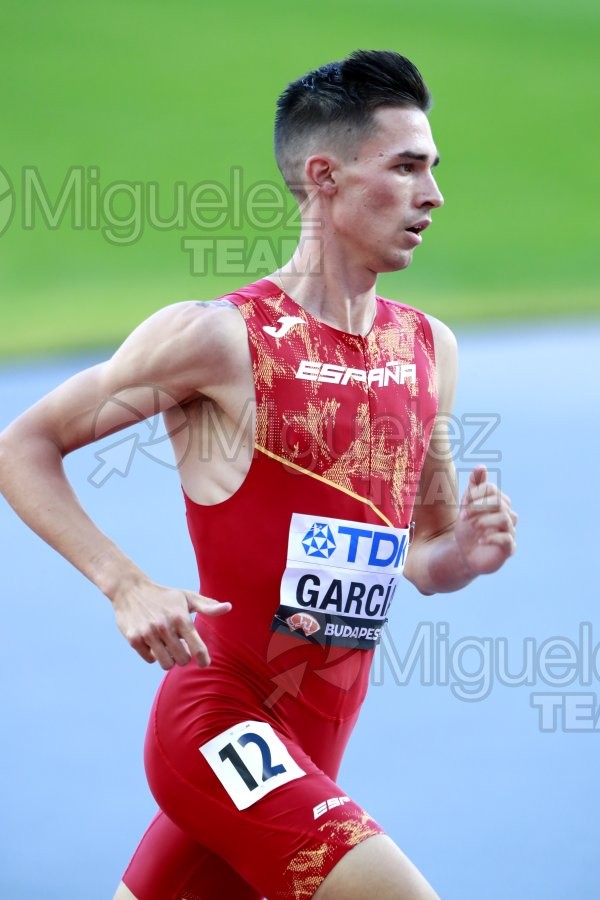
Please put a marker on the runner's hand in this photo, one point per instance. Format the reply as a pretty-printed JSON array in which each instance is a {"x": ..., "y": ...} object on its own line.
[
  {"x": 485, "y": 528},
  {"x": 156, "y": 621}
]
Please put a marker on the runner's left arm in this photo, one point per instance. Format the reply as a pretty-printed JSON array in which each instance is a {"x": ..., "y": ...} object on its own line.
[{"x": 454, "y": 541}]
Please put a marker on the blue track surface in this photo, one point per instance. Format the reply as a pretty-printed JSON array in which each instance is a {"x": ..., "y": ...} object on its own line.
[{"x": 487, "y": 803}]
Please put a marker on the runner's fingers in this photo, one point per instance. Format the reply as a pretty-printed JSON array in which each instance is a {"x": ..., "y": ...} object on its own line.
[
  {"x": 195, "y": 645},
  {"x": 164, "y": 643},
  {"x": 481, "y": 505},
  {"x": 502, "y": 539},
  {"x": 206, "y": 605},
  {"x": 161, "y": 655},
  {"x": 490, "y": 503},
  {"x": 499, "y": 521},
  {"x": 178, "y": 650},
  {"x": 481, "y": 492},
  {"x": 215, "y": 608},
  {"x": 478, "y": 476},
  {"x": 487, "y": 489},
  {"x": 141, "y": 647}
]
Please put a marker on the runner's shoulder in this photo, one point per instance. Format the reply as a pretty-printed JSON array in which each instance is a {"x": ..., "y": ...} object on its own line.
[
  {"x": 443, "y": 336},
  {"x": 446, "y": 362},
  {"x": 203, "y": 321},
  {"x": 189, "y": 327},
  {"x": 187, "y": 339}
]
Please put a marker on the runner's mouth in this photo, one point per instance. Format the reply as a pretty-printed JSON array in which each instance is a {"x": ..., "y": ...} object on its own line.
[{"x": 418, "y": 227}]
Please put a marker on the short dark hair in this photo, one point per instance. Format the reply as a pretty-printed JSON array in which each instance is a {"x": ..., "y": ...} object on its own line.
[{"x": 339, "y": 99}]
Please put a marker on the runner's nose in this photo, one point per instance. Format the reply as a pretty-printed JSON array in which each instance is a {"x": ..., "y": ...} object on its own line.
[{"x": 431, "y": 196}]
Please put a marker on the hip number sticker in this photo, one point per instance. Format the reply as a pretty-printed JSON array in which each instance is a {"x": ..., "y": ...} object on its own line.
[{"x": 250, "y": 761}]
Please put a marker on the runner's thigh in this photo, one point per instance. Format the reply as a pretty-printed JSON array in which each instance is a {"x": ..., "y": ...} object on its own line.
[
  {"x": 252, "y": 796},
  {"x": 168, "y": 865}
]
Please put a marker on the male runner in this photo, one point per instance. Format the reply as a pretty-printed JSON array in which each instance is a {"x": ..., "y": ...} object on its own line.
[{"x": 301, "y": 536}]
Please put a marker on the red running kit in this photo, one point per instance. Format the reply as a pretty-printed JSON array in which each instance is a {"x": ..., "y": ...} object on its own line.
[{"x": 242, "y": 756}]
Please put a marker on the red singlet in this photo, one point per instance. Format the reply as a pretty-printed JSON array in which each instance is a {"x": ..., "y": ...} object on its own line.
[{"x": 242, "y": 756}]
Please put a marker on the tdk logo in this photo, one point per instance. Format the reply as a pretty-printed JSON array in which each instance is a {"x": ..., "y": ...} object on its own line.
[
  {"x": 384, "y": 547},
  {"x": 318, "y": 541}
]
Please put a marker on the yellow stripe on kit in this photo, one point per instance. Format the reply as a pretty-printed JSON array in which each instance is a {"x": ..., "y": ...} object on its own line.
[{"x": 337, "y": 487}]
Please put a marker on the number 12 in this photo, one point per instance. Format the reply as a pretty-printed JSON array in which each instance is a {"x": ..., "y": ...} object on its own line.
[{"x": 268, "y": 770}]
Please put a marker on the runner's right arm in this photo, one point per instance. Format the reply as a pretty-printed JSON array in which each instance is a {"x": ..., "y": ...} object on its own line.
[{"x": 179, "y": 350}]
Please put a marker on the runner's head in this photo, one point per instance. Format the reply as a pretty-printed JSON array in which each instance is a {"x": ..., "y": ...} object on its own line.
[{"x": 333, "y": 107}]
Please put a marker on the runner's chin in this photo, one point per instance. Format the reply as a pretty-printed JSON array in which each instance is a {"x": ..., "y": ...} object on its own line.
[{"x": 400, "y": 259}]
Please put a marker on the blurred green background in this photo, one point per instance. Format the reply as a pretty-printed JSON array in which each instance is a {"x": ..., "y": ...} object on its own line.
[{"x": 130, "y": 98}]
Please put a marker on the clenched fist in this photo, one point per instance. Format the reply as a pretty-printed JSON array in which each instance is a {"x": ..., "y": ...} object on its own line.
[{"x": 485, "y": 528}]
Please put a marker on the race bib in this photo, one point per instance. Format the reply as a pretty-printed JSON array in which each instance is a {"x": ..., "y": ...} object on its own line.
[
  {"x": 250, "y": 761},
  {"x": 339, "y": 580}
]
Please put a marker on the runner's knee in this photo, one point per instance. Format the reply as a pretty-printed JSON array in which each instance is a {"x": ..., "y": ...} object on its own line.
[{"x": 377, "y": 868}]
